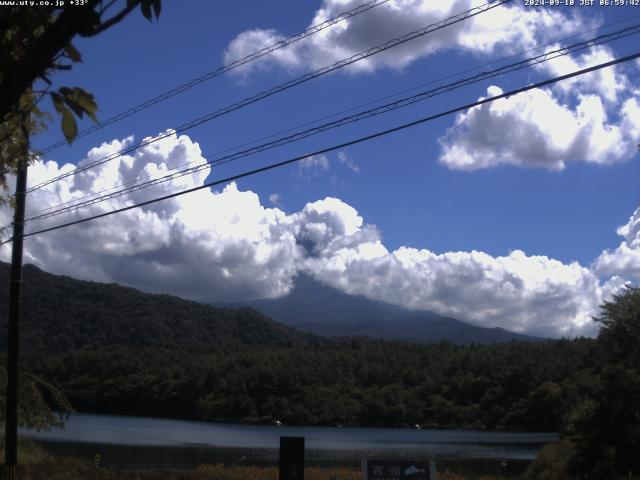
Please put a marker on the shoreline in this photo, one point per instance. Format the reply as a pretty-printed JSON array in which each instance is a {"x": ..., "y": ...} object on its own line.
[
  {"x": 165, "y": 432},
  {"x": 271, "y": 424}
]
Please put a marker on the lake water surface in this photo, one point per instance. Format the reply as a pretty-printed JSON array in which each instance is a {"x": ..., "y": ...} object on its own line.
[{"x": 190, "y": 442}]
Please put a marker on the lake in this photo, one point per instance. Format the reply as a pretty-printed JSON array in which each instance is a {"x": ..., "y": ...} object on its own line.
[{"x": 156, "y": 441}]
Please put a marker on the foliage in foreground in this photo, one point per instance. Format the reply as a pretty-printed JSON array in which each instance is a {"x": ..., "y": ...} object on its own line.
[
  {"x": 605, "y": 427},
  {"x": 218, "y": 471},
  {"x": 601, "y": 434},
  {"x": 29, "y": 452},
  {"x": 45, "y": 467},
  {"x": 36, "y": 43},
  {"x": 552, "y": 462},
  {"x": 41, "y": 405}
]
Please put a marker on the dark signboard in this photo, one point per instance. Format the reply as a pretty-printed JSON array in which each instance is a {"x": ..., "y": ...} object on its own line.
[
  {"x": 397, "y": 470},
  {"x": 291, "y": 458}
]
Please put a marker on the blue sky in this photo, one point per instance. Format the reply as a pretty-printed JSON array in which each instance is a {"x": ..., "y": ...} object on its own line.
[{"x": 522, "y": 188}]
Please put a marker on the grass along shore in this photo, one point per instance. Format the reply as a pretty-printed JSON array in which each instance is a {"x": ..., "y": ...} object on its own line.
[{"x": 36, "y": 463}]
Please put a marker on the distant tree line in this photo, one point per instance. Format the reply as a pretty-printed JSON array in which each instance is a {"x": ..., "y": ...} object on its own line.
[{"x": 516, "y": 386}]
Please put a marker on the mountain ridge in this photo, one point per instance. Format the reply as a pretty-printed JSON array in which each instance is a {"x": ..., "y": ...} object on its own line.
[{"x": 60, "y": 313}]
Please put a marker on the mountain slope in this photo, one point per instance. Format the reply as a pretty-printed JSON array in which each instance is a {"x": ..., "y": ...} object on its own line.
[
  {"x": 322, "y": 310},
  {"x": 60, "y": 313}
]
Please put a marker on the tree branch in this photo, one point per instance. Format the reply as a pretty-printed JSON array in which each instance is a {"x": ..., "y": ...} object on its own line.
[
  {"x": 21, "y": 74},
  {"x": 104, "y": 8},
  {"x": 112, "y": 21}
]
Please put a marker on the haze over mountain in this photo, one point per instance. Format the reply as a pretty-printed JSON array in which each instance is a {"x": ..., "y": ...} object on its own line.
[{"x": 322, "y": 310}]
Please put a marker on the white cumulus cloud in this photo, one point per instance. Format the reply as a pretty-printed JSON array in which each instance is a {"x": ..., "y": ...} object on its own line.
[
  {"x": 607, "y": 82},
  {"x": 535, "y": 295},
  {"x": 225, "y": 245},
  {"x": 251, "y": 41},
  {"x": 537, "y": 129},
  {"x": 624, "y": 260},
  {"x": 509, "y": 28},
  {"x": 205, "y": 246}
]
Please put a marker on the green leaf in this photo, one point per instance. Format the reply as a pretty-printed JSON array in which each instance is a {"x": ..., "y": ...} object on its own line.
[
  {"x": 69, "y": 101},
  {"x": 77, "y": 109},
  {"x": 69, "y": 125},
  {"x": 145, "y": 6},
  {"x": 86, "y": 101},
  {"x": 58, "y": 102},
  {"x": 80, "y": 101},
  {"x": 73, "y": 53},
  {"x": 39, "y": 113}
]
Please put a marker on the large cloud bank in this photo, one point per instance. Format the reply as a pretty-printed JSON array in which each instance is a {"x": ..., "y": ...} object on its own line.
[
  {"x": 509, "y": 28},
  {"x": 593, "y": 118},
  {"x": 226, "y": 245},
  {"x": 625, "y": 259},
  {"x": 536, "y": 129}
]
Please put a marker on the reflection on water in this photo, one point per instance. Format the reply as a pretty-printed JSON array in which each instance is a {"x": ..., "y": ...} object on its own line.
[{"x": 162, "y": 442}]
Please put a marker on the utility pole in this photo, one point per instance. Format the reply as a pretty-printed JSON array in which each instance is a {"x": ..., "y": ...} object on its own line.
[{"x": 15, "y": 291}]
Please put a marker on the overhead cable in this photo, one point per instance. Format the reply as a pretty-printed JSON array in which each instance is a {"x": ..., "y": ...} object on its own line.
[
  {"x": 227, "y": 68},
  {"x": 339, "y": 146},
  {"x": 285, "y": 86},
  {"x": 400, "y": 103}
]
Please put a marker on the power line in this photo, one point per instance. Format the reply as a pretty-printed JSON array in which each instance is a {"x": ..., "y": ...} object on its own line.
[
  {"x": 351, "y": 109},
  {"x": 322, "y": 71},
  {"x": 431, "y": 82},
  {"x": 340, "y": 146},
  {"x": 287, "y": 85},
  {"x": 350, "y": 119},
  {"x": 373, "y": 102},
  {"x": 216, "y": 73},
  {"x": 403, "y": 102}
]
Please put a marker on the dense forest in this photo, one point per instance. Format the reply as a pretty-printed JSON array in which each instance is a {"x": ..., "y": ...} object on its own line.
[
  {"x": 61, "y": 314},
  {"x": 111, "y": 349},
  {"x": 519, "y": 386}
]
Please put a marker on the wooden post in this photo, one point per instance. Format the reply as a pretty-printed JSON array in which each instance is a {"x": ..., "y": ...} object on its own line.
[
  {"x": 15, "y": 292},
  {"x": 291, "y": 458}
]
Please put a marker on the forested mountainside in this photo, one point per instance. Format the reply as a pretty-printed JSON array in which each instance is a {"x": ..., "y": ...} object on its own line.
[
  {"x": 114, "y": 349},
  {"x": 61, "y": 313}
]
